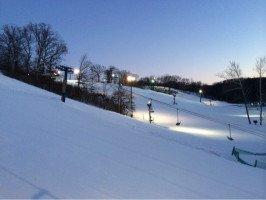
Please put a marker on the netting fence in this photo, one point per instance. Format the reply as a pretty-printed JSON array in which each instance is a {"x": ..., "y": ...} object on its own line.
[{"x": 249, "y": 158}]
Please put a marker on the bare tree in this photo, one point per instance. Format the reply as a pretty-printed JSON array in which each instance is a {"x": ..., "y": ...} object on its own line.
[
  {"x": 54, "y": 54},
  {"x": 50, "y": 48},
  {"x": 96, "y": 71},
  {"x": 122, "y": 98},
  {"x": 34, "y": 45},
  {"x": 27, "y": 38},
  {"x": 260, "y": 68},
  {"x": 11, "y": 44},
  {"x": 84, "y": 67},
  {"x": 233, "y": 72}
]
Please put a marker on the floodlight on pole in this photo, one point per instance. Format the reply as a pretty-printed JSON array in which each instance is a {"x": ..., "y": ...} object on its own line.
[
  {"x": 201, "y": 92},
  {"x": 113, "y": 76},
  {"x": 130, "y": 80},
  {"x": 152, "y": 82},
  {"x": 67, "y": 70},
  {"x": 76, "y": 71}
]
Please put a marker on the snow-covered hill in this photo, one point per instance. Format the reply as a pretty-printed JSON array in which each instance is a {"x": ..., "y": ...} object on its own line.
[{"x": 50, "y": 149}]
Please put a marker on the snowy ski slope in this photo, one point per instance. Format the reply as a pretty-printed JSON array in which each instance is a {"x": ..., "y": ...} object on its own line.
[
  {"x": 50, "y": 149},
  {"x": 203, "y": 126}
]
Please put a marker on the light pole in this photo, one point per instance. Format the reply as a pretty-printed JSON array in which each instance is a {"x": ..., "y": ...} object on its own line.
[
  {"x": 64, "y": 85},
  {"x": 130, "y": 80},
  {"x": 152, "y": 83},
  {"x": 174, "y": 96},
  {"x": 150, "y": 109},
  {"x": 113, "y": 78},
  {"x": 200, "y": 91}
]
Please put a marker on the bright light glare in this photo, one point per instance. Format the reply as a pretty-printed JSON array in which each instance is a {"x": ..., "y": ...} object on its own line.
[
  {"x": 131, "y": 78},
  {"x": 244, "y": 115},
  {"x": 198, "y": 131},
  {"x": 76, "y": 71},
  {"x": 200, "y": 91}
]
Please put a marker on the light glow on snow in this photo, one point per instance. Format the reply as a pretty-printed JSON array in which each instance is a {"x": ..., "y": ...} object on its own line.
[
  {"x": 198, "y": 131},
  {"x": 159, "y": 117},
  {"x": 244, "y": 115}
]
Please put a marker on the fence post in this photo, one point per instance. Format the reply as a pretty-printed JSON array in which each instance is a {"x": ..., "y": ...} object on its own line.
[
  {"x": 233, "y": 151},
  {"x": 256, "y": 162}
]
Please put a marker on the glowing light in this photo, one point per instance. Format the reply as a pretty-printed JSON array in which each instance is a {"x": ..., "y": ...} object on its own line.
[
  {"x": 200, "y": 91},
  {"x": 152, "y": 80},
  {"x": 56, "y": 72},
  {"x": 131, "y": 78},
  {"x": 76, "y": 71}
]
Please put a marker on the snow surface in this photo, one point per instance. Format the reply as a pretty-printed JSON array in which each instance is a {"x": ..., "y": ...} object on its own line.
[
  {"x": 50, "y": 149},
  {"x": 206, "y": 134}
]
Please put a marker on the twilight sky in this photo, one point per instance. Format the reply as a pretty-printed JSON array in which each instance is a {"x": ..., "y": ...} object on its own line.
[{"x": 193, "y": 39}]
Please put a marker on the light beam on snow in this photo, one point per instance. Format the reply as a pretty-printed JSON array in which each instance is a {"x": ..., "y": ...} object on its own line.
[
  {"x": 244, "y": 115},
  {"x": 160, "y": 118},
  {"x": 199, "y": 131}
]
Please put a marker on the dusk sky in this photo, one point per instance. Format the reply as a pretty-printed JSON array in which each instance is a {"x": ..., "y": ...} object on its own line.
[{"x": 193, "y": 39}]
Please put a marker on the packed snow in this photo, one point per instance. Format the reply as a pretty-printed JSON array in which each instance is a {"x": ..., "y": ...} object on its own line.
[{"x": 50, "y": 149}]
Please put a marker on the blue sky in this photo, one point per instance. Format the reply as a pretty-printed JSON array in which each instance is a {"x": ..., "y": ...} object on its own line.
[{"x": 194, "y": 39}]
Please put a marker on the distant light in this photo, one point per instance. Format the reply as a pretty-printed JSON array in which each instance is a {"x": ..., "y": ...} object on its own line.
[
  {"x": 76, "y": 71},
  {"x": 200, "y": 91},
  {"x": 113, "y": 75},
  {"x": 152, "y": 80},
  {"x": 131, "y": 78},
  {"x": 56, "y": 72}
]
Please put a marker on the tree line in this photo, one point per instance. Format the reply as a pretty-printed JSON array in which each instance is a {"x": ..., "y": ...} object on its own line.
[
  {"x": 31, "y": 54},
  {"x": 33, "y": 48}
]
